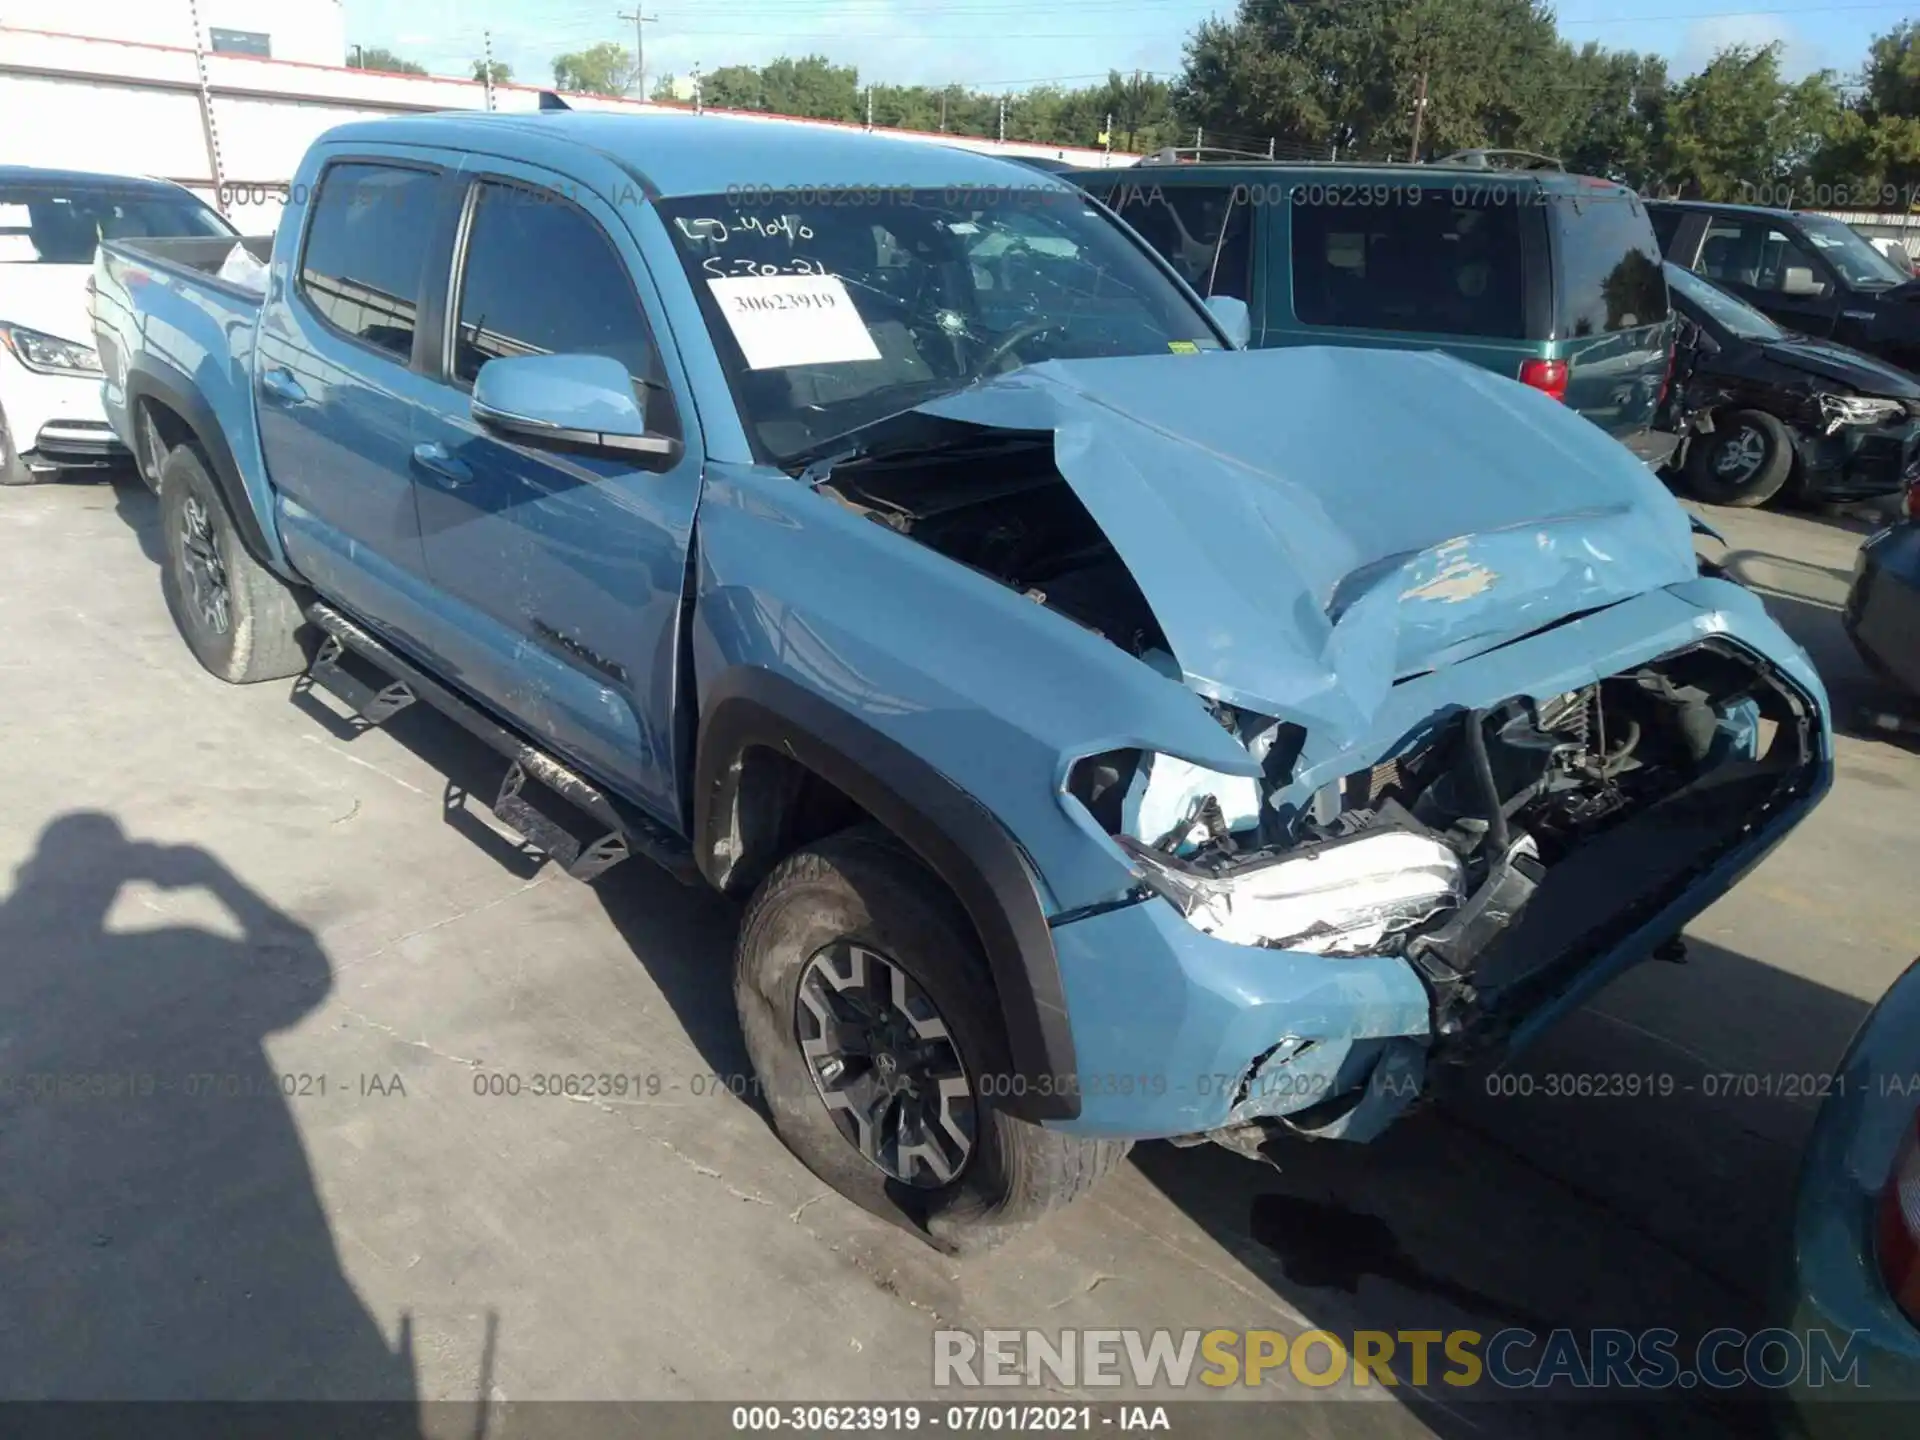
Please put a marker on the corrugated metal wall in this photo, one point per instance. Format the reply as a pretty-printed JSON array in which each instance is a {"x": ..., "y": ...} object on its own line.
[{"x": 136, "y": 109}]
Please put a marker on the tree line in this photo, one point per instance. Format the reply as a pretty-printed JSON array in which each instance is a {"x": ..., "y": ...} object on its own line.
[{"x": 1396, "y": 79}]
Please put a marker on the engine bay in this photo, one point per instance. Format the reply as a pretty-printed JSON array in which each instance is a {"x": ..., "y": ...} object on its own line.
[{"x": 1003, "y": 509}]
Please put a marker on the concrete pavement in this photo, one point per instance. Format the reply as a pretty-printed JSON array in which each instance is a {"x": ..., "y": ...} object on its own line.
[{"x": 308, "y": 967}]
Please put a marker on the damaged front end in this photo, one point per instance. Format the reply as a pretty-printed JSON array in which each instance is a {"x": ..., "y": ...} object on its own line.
[
  {"x": 1450, "y": 731},
  {"x": 1499, "y": 852}
]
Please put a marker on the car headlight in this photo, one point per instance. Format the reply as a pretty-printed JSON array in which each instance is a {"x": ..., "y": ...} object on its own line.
[
  {"x": 49, "y": 354},
  {"x": 1344, "y": 897},
  {"x": 1837, "y": 411}
]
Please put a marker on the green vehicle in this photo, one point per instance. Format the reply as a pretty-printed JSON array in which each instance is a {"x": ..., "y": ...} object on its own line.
[{"x": 1551, "y": 279}]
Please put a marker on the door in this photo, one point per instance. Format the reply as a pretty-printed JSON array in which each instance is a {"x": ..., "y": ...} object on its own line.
[
  {"x": 337, "y": 383},
  {"x": 1610, "y": 311},
  {"x": 1766, "y": 264},
  {"x": 561, "y": 572}
]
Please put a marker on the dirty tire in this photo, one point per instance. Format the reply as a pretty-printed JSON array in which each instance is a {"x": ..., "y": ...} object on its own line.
[
  {"x": 1755, "y": 430},
  {"x": 862, "y": 885},
  {"x": 260, "y": 636},
  {"x": 13, "y": 470}
]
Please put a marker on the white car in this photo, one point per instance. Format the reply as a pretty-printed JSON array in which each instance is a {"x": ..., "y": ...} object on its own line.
[{"x": 51, "y": 221}]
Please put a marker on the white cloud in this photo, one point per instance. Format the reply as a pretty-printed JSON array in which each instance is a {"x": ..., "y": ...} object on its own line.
[{"x": 1706, "y": 38}]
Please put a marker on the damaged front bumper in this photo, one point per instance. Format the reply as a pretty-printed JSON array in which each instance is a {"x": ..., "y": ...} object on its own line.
[
  {"x": 1183, "y": 1033},
  {"x": 1859, "y": 462}
]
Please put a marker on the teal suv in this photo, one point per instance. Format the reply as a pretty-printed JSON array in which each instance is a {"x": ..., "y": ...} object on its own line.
[{"x": 1549, "y": 278}]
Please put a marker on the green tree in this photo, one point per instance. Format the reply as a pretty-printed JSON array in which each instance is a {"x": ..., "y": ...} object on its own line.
[
  {"x": 1872, "y": 159},
  {"x": 1604, "y": 112},
  {"x": 375, "y": 57},
  {"x": 502, "y": 72},
  {"x": 1738, "y": 131},
  {"x": 1316, "y": 77},
  {"x": 602, "y": 69}
]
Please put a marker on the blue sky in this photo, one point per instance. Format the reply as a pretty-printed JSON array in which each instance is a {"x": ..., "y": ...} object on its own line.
[{"x": 1000, "y": 43}]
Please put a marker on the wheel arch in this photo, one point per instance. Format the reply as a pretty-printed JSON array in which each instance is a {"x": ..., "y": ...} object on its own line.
[
  {"x": 775, "y": 761},
  {"x": 157, "y": 391}
]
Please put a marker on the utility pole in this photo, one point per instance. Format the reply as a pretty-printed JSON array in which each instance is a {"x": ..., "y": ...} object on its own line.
[
  {"x": 1419, "y": 118},
  {"x": 1106, "y": 135},
  {"x": 696, "y": 87},
  {"x": 869, "y": 106},
  {"x": 1003, "y": 119},
  {"x": 207, "y": 124},
  {"x": 487, "y": 60},
  {"x": 943, "y": 112},
  {"x": 640, "y": 19}
]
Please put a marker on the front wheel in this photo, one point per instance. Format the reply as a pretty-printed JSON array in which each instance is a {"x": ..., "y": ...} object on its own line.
[
  {"x": 1744, "y": 462},
  {"x": 242, "y": 622},
  {"x": 874, "y": 1027}
]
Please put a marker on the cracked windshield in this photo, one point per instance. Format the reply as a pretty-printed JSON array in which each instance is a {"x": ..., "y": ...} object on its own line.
[{"x": 830, "y": 315}]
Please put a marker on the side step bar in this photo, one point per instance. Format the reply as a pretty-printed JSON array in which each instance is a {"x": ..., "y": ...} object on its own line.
[{"x": 554, "y": 827}]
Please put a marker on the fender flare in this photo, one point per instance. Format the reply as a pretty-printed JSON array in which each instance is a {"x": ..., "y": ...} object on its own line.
[
  {"x": 154, "y": 379},
  {"x": 951, "y": 833}
]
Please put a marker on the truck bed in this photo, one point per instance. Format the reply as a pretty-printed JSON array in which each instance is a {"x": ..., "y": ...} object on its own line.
[
  {"x": 167, "y": 326},
  {"x": 197, "y": 256}
]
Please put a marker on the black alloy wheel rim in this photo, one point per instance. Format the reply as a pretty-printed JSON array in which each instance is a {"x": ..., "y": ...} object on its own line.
[
  {"x": 885, "y": 1065},
  {"x": 206, "y": 573}
]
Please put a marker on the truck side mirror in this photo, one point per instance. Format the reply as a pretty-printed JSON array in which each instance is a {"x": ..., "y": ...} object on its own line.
[
  {"x": 588, "y": 401},
  {"x": 1798, "y": 280},
  {"x": 1234, "y": 318}
]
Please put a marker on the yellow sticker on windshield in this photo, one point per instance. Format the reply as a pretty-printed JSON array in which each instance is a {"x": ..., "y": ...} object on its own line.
[{"x": 1183, "y": 347}]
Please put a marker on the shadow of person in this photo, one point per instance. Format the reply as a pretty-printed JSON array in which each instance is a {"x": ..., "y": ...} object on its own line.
[{"x": 160, "y": 1233}]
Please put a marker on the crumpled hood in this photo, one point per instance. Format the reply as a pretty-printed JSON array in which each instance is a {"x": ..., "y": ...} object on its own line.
[
  {"x": 49, "y": 298},
  {"x": 1828, "y": 361},
  {"x": 1311, "y": 524}
]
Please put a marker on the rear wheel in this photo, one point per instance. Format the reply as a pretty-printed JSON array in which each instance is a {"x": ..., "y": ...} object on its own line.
[
  {"x": 241, "y": 621},
  {"x": 1744, "y": 462},
  {"x": 873, "y": 1025},
  {"x": 13, "y": 470}
]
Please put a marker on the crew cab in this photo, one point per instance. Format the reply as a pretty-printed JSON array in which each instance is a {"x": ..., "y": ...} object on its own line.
[
  {"x": 1112, "y": 732},
  {"x": 1813, "y": 273}
]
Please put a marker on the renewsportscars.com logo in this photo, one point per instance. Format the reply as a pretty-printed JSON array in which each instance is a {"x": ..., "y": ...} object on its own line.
[{"x": 1511, "y": 1359}]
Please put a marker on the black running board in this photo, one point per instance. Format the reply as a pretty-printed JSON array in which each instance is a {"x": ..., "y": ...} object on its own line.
[{"x": 542, "y": 799}]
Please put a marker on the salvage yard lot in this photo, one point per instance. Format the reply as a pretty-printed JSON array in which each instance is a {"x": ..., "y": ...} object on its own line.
[{"x": 310, "y": 970}]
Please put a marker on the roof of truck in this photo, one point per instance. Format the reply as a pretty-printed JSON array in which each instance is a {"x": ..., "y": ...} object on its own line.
[
  {"x": 94, "y": 179},
  {"x": 681, "y": 154}
]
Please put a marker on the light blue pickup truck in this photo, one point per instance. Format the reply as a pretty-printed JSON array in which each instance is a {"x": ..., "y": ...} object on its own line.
[{"x": 1113, "y": 733}]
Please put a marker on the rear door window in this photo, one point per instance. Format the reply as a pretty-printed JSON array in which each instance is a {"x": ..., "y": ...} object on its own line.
[
  {"x": 1204, "y": 231},
  {"x": 1608, "y": 265},
  {"x": 1433, "y": 262},
  {"x": 365, "y": 250}
]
